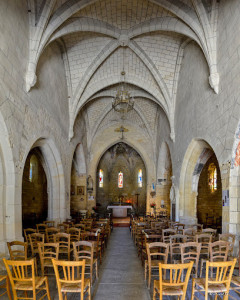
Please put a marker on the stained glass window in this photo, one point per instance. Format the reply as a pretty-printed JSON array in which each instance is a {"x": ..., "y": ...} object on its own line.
[
  {"x": 212, "y": 177},
  {"x": 140, "y": 178},
  {"x": 31, "y": 172},
  {"x": 120, "y": 180},
  {"x": 100, "y": 178}
]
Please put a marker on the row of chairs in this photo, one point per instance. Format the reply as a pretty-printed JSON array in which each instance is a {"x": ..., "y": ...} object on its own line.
[
  {"x": 70, "y": 277},
  {"x": 174, "y": 278}
]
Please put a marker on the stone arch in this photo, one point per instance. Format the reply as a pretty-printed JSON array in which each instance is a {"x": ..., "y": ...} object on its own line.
[
  {"x": 52, "y": 164},
  {"x": 9, "y": 201},
  {"x": 196, "y": 156}
]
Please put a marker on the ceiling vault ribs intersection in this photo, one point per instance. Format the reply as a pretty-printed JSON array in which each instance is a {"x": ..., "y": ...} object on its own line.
[{"x": 143, "y": 27}]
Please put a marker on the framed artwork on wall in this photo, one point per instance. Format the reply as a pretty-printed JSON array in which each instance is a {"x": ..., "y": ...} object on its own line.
[{"x": 80, "y": 190}]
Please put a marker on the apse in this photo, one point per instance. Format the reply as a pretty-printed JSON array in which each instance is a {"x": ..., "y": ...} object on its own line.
[{"x": 121, "y": 178}]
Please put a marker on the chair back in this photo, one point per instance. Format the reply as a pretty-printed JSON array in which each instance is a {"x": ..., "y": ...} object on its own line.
[
  {"x": 74, "y": 234},
  {"x": 63, "y": 240},
  {"x": 21, "y": 275},
  {"x": 17, "y": 250},
  {"x": 41, "y": 228},
  {"x": 190, "y": 234},
  {"x": 205, "y": 240},
  {"x": 179, "y": 275},
  {"x": 175, "y": 245},
  {"x": 166, "y": 234},
  {"x": 83, "y": 250},
  {"x": 218, "y": 251},
  {"x": 190, "y": 251},
  {"x": 157, "y": 251},
  {"x": 69, "y": 276},
  {"x": 35, "y": 238},
  {"x": 211, "y": 231},
  {"x": 47, "y": 251},
  {"x": 50, "y": 232},
  {"x": 228, "y": 237},
  {"x": 49, "y": 223},
  {"x": 27, "y": 232},
  {"x": 63, "y": 227}
]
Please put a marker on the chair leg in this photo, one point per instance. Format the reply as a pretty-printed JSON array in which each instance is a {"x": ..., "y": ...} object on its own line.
[
  {"x": 193, "y": 289},
  {"x": 96, "y": 269},
  {"x": 154, "y": 292},
  {"x": 145, "y": 271},
  {"x": 149, "y": 277},
  {"x": 8, "y": 288},
  {"x": 47, "y": 289}
]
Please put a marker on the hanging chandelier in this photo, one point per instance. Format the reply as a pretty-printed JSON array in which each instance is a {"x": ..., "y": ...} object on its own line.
[{"x": 123, "y": 102}]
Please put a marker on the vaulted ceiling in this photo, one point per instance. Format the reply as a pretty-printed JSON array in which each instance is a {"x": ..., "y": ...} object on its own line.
[{"x": 101, "y": 38}]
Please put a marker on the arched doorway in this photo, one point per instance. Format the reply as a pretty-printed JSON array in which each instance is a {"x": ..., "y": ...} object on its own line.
[
  {"x": 209, "y": 198},
  {"x": 197, "y": 156},
  {"x": 121, "y": 178},
  {"x": 34, "y": 190}
]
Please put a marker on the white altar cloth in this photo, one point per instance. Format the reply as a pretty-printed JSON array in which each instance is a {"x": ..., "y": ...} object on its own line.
[{"x": 119, "y": 211}]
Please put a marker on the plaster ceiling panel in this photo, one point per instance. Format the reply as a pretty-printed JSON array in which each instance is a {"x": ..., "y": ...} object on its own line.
[
  {"x": 123, "y": 14},
  {"x": 95, "y": 110},
  {"x": 162, "y": 49},
  {"x": 82, "y": 48},
  {"x": 149, "y": 110},
  {"x": 134, "y": 68}
]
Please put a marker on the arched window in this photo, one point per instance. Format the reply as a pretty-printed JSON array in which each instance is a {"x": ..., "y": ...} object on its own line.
[
  {"x": 120, "y": 180},
  {"x": 100, "y": 178},
  {"x": 212, "y": 177},
  {"x": 140, "y": 178},
  {"x": 31, "y": 172}
]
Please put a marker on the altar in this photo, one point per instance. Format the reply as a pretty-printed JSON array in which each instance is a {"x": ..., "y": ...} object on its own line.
[{"x": 119, "y": 211}]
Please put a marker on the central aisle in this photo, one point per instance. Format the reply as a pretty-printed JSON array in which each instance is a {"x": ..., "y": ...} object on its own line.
[{"x": 121, "y": 276}]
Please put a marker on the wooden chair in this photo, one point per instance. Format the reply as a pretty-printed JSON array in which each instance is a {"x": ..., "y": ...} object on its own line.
[
  {"x": 49, "y": 223},
  {"x": 70, "y": 278},
  {"x": 205, "y": 240},
  {"x": 230, "y": 238},
  {"x": 27, "y": 232},
  {"x": 190, "y": 234},
  {"x": 211, "y": 231},
  {"x": 190, "y": 251},
  {"x": 63, "y": 227},
  {"x": 219, "y": 283},
  {"x": 94, "y": 237},
  {"x": 35, "y": 238},
  {"x": 156, "y": 253},
  {"x": 198, "y": 227},
  {"x": 41, "y": 228},
  {"x": 219, "y": 251},
  {"x": 5, "y": 285},
  {"x": 179, "y": 227},
  {"x": 63, "y": 240},
  {"x": 175, "y": 246},
  {"x": 17, "y": 250},
  {"x": 84, "y": 250},
  {"x": 50, "y": 232},
  {"x": 74, "y": 234},
  {"x": 166, "y": 234},
  {"x": 22, "y": 277},
  {"x": 177, "y": 283},
  {"x": 80, "y": 226},
  {"x": 47, "y": 251}
]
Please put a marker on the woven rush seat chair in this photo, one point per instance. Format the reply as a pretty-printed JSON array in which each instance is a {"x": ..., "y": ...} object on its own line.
[
  {"x": 17, "y": 250},
  {"x": 176, "y": 281},
  {"x": 157, "y": 252},
  {"x": 22, "y": 278},
  {"x": 70, "y": 278},
  {"x": 218, "y": 283}
]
